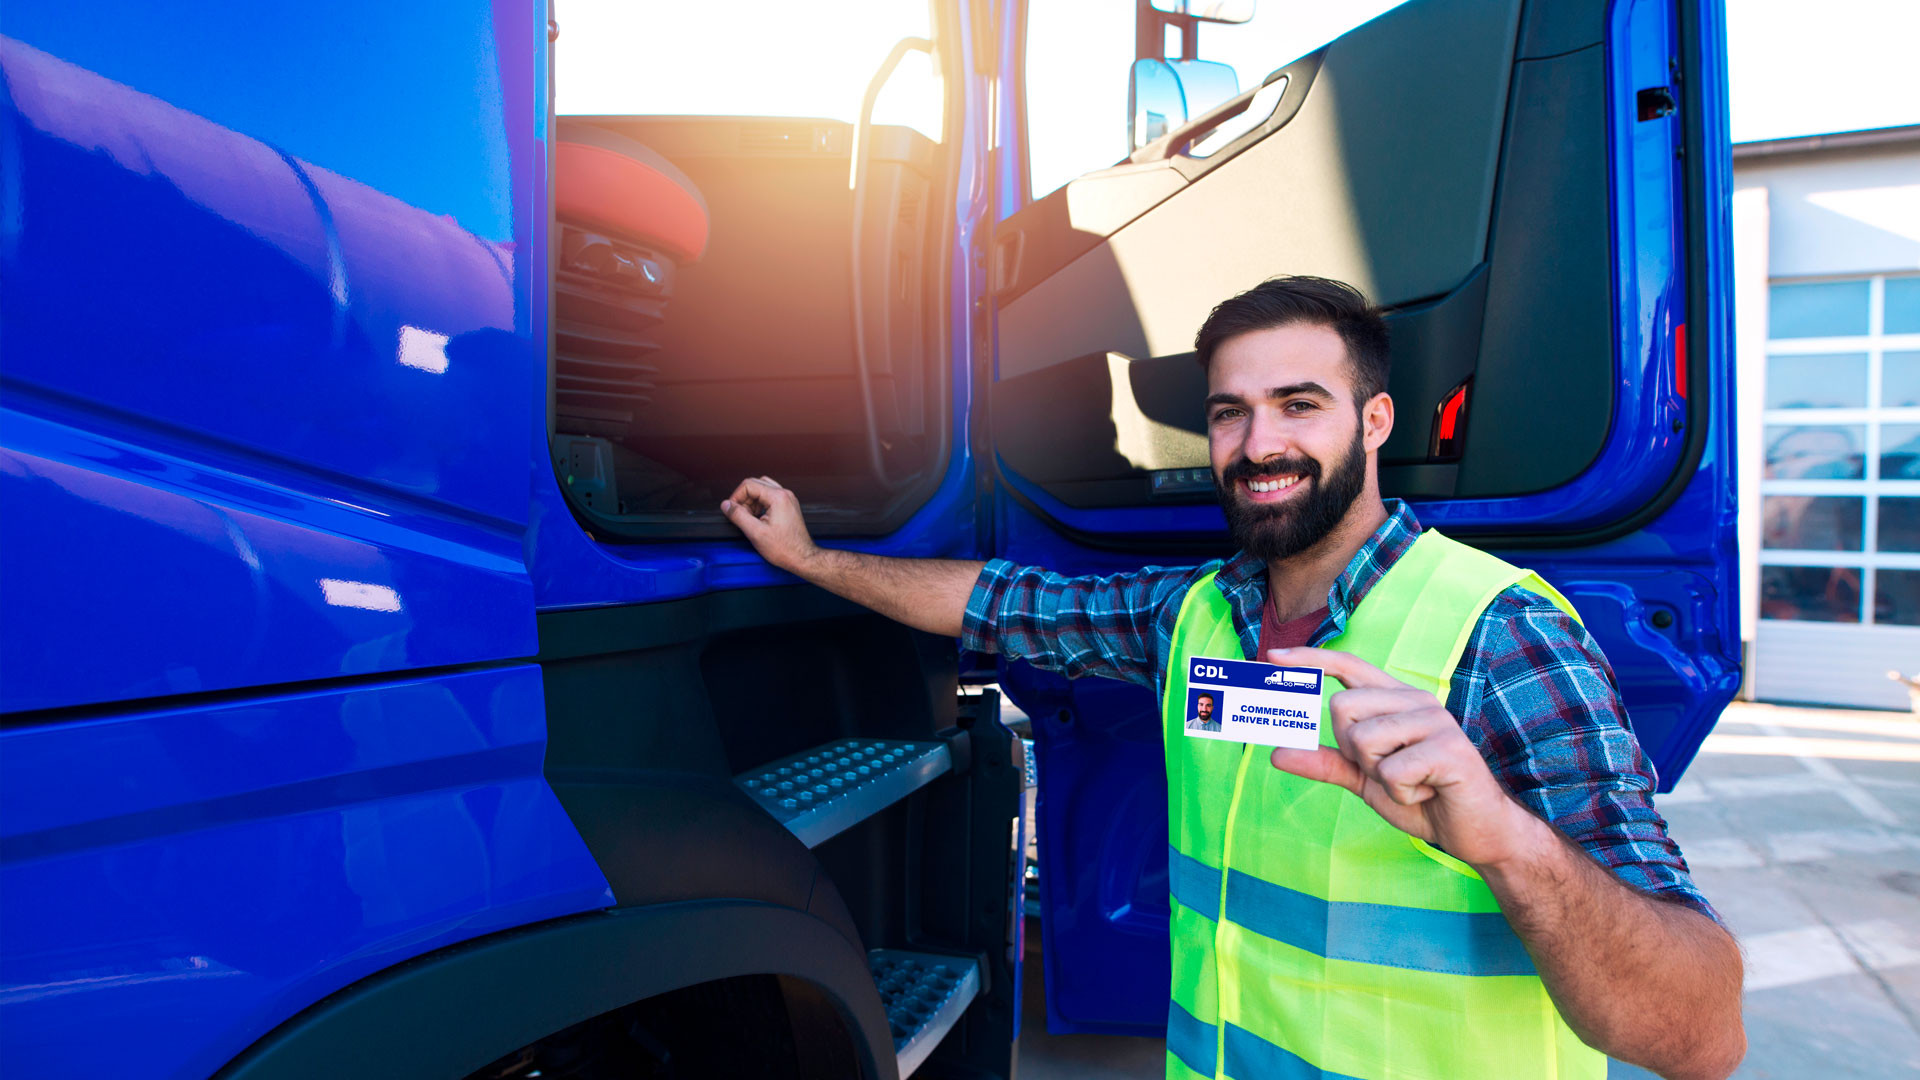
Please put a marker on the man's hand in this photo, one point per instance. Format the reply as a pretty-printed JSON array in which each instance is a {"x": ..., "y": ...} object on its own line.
[
  {"x": 770, "y": 517},
  {"x": 1406, "y": 755},
  {"x": 1649, "y": 982},
  {"x": 926, "y": 594}
]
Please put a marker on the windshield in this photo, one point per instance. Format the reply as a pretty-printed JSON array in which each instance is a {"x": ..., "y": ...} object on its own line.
[{"x": 742, "y": 58}]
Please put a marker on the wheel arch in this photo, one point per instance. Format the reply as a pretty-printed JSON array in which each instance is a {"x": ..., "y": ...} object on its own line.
[{"x": 450, "y": 1012}]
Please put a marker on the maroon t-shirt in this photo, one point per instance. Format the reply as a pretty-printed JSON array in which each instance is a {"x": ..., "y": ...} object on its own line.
[{"x": 1275, "y": 634}]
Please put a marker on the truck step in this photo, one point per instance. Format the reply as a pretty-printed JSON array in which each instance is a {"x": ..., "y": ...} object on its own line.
[
  {"x": 823, "y": 792},
  {"x": 924, "y": 994}
]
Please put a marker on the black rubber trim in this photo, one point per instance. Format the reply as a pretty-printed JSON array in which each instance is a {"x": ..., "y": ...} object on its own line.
[
  {"x": 450, "y": 1012},
  {"x": 207, "y": 699}
]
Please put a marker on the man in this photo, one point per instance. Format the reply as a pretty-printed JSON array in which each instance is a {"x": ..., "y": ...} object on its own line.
[
  {"x": 1202, "y": 718},
  {"x": 1468, "y": 877}
]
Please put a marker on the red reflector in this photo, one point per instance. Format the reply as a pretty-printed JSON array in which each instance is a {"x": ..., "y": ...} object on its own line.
[
  {"x": 1680, "y": 359},
  {"x": 1449, "y": 422},
  {"x": 1450, "y": 412}
]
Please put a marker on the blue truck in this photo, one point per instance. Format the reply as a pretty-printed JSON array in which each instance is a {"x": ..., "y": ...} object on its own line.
[{"x": 382, "y": 692}]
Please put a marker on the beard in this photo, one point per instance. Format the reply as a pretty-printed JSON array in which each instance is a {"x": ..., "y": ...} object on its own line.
[{"x": 1269, "y": 533}]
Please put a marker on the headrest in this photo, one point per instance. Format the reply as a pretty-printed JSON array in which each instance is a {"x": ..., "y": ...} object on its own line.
[{"x": 611, "y": 183}]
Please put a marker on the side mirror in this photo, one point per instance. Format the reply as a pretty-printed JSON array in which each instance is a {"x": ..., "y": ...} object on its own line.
[
  {"x": 1164, "y": 94},
  {"x": 1221, "y": 11}
]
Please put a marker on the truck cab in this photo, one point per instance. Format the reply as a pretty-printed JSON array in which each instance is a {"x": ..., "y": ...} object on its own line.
[{"x": 383, "y": 691}]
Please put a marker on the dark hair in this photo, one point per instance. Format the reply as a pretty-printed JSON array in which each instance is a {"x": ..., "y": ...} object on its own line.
[{"x": 1317, "y": 301}]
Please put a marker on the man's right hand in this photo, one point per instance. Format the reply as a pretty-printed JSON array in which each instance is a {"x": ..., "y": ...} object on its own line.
[
  {"x": 926, "y": 594},
  {"x": 770, "y": 517}
]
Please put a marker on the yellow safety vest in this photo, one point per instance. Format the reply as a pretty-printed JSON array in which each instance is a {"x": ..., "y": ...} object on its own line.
[{"x": 1310, "y": 937}]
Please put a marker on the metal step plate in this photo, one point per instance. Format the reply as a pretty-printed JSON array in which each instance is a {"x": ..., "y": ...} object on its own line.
[
  {"x": 821, "y": 793},
  {"x": 924, "y": 994}
]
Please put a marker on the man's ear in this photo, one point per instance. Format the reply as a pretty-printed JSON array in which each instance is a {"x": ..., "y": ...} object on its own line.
[{"x": 1376, "y": 421}]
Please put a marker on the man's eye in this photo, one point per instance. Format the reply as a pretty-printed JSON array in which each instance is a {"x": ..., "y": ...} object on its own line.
[
  {"x": 1301, "y": 406},
  {"x": 1226, "y": 414}
]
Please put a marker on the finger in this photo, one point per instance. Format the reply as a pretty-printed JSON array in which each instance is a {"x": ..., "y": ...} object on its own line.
[
  {"x": 772, "y": 483},
  {"x": 1353, "y": 672},
  {"x": 743, "y": 517},
  {"x": 1354, "y": 705},
  {"x": 1321, "y": 763},
  {"x": 1375, "y": 737},
  {"x": 755, "y": 494},
  {"x": 1413, "y": 775}
]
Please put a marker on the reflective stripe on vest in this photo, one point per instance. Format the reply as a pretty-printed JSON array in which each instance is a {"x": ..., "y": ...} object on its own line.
[{"x": 1311, "y": 938}]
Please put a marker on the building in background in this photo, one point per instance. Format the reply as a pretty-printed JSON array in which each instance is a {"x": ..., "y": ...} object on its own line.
[{"x": 1827, "y": 297}]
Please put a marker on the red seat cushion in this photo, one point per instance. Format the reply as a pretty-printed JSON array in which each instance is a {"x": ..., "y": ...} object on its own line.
[{"x": 602, "y": 188}]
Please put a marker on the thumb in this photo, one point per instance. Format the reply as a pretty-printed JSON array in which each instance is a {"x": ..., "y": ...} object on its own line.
[
  {"x": 1322, "y": 763},
  {"x": 743, "y": 517}
]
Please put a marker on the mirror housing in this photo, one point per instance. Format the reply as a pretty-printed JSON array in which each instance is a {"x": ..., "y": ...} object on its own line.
[
  {"x": 1164, "y": 94},
  {"x": 1219, "y": 11}
]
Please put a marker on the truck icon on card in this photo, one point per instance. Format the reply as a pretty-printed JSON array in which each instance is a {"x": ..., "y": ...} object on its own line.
[{"x": 1294, "y": 680}]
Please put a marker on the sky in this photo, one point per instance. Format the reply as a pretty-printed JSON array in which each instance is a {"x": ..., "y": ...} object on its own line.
[
  {"x": 1796, "y": 67},
  {"x": 1808, "y": 67}
]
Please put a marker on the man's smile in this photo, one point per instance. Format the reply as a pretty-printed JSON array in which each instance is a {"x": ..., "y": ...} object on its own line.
[{"x": 1267, "y": 490}]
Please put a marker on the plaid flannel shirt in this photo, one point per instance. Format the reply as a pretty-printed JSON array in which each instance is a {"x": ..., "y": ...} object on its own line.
[{"x": 1532, "y": 690}]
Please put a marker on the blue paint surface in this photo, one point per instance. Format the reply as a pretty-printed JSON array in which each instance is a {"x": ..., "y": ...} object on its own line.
[
  {"x": 266, "y": 425},
  {"x": 179, "y": 881}
]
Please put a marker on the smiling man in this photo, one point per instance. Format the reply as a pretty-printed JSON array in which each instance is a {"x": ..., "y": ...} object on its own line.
[{"x": 1468, "y": 878}]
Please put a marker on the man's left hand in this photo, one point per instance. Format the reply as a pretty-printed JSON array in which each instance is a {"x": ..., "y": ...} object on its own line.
[{"x": 1402, "y": 752}]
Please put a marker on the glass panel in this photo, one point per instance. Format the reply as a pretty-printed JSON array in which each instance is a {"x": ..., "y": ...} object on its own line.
[
  {"x": 1902, "y": 314},
  {"x": 1900, "y": 451},
  {"x": 1816, "y": 452},
  {"x": 1817, "y": 382},
  {"x": 1900, "y": 379},
  {"x": 1899, "y": 523},
  {"x": 1811, "y": 522},
  {"x": 1817, "y": 309},
  {"x": 1896, "y": 597},
  {"x": 1816, "y": 593}
]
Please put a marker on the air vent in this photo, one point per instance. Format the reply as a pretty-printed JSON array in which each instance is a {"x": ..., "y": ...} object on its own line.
[{"x": 607, "y": 295}]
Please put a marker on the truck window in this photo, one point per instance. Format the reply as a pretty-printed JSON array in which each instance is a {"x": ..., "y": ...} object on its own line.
[
  {"x": 1078, "y": 53},
  {"x": 711, "y": 318}
]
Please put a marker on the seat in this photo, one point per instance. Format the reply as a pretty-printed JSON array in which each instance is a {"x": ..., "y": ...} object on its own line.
[{"x": 607, "y": 182}]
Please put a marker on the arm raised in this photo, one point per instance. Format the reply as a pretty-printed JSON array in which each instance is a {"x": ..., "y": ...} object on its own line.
[{"x": 926, "y": 594}]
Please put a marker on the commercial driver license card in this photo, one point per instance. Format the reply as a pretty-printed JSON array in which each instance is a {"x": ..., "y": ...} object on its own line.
[{"x": 1246, "y": 701}]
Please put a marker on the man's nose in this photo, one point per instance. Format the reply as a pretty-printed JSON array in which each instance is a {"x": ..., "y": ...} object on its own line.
[{"x": 1266, "y": 437}]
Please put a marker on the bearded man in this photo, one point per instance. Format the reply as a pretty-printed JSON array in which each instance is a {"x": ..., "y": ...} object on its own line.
[{"x": 1468, "y": 877}]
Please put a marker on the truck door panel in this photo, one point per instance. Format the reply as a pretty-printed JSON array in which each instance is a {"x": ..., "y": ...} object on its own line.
[{"x": 1480, "y": 170}]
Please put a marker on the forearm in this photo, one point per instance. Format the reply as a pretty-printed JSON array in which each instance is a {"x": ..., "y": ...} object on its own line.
[
  {"x": 1652, "y": 983},
  {"x": 926, "y": 594}
]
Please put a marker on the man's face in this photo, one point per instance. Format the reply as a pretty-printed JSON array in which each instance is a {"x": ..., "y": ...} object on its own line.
[
  {"x": 1205, "y": 705},
  {"x": 1290, "y": 449}
]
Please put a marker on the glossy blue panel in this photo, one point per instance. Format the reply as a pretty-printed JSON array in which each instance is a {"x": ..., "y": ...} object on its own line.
[
  {"x": 1103, "y": 873},
  {"x": 264, "y": 400},
  {"x": 177, "y": 882}
]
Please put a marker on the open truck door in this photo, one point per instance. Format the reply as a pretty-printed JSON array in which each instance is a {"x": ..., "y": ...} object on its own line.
[{"x": 1536, "y": 192}]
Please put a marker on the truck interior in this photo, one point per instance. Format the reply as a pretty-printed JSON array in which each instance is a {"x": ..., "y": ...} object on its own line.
[{"x": 743, "y": 295}]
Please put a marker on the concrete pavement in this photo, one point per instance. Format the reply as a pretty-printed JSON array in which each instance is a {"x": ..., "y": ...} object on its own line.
[{"x": 1803, "y": 827}]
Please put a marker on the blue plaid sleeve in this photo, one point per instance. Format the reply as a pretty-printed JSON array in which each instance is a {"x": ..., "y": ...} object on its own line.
[
  {"x": 1076, "y": 626},
  {"x": 1538, "y": 699}
]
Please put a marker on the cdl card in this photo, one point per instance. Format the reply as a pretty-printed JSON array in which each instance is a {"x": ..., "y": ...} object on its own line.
[{"x": 1245, "y": 701}]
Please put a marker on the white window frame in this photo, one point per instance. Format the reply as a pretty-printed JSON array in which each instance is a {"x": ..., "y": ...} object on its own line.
[{"x": 1870, "y": 560}]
